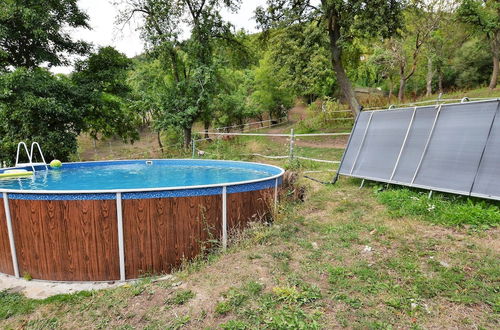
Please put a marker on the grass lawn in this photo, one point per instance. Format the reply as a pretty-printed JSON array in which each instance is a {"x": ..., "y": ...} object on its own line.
[{"x": 346, "y": 257}]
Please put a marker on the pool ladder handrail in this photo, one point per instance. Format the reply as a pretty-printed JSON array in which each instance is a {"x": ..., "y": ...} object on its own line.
[{"x": 30, "y": 155}]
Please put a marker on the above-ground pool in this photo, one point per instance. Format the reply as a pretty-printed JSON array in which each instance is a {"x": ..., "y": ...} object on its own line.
[{"x": 118, "y": 220}]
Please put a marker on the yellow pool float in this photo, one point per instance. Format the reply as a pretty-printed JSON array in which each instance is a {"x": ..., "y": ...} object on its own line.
[{"x": 15, "y": 174}]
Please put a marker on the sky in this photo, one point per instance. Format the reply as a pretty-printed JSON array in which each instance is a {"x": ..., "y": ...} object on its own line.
[{"x": 127, "y": 40}]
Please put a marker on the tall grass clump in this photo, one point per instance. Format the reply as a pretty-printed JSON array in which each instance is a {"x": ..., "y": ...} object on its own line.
[
  {"x": 443, "y": 209},
  {"x": 324, "y": 116}
]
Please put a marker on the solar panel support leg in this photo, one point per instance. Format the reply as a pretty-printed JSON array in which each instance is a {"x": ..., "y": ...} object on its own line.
[
  {"x": 430, "y": 194},
  {"x": 362, "y": 184},
  {"x": 439, "y": 99}
]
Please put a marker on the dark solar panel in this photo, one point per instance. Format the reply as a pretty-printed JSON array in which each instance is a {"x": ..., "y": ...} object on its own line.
[
  {"x": 354, "y": 143},
  {"x": 383, "y": 142},
  {"x": 454, "y": 148},
  {"x": 487, "y": 182},
  {"x": 415, "y": 143}
]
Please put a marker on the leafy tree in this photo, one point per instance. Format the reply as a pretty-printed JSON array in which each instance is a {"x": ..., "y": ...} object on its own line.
[
  {"x": 231, "y": 105},
  {"x": 422, "y": 19},
  {"x": 33, "y": 32},
  {"x": 38, "y": 106},
  {"x": 483, "y": 16},
  {"x": 101, "y": 78},
  {"x": 342, "y": 20},
  {"x": 383, "y": 65},
  {"x": 268, "y": 93},
  {"x": 443, "y": 47},
  {"x": 148, "y": 83},
  {"x": 300, "y": 53},
  {"x": 35, "y": 105},
  {"x": 189, "y": 63},
  {"x": 471, "y": 64}
]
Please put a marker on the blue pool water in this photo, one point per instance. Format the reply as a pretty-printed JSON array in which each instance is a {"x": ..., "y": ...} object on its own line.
[{"x": 140, "y": 175}]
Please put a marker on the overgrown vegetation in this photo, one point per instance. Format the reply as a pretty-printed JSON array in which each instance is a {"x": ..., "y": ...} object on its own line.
[
  {"x": 442, "y": 209},
  {"x": 345, "y": 54}
]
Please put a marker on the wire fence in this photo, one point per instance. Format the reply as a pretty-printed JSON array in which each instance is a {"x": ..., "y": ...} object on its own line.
[
  {"x": 252, "y": 126},
  {"x": 291, "y": 146}
]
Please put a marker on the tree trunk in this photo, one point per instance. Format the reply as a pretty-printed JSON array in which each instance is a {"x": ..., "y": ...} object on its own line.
[
  {"x": 495, "y": 49},
  {"x": 440, "y": 81},
  {"x": 158, "y": 137},
  {"x": 336, "y": 53},
  {"x": 430, "y": 75},
  {"x": 494, "y": 74},
  {"x": 206, "y": 124},
  {"x": 346, "y": 87},
  {"x": 260, "y": 118},
  {"x": 390, "y": 88},
  {"x": 401, "y": 92},
  {"x": 187, "y": 136}
]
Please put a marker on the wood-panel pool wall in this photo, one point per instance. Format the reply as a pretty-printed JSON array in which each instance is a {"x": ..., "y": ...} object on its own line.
[
  {"x": 66, "y": 240},
  {"x": 78, "y": 240},
  {"x": 162, "y": 232}
]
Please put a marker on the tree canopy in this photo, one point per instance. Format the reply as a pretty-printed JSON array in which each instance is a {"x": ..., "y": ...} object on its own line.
[
  {"x": 342, "y": 21},
  {"x": 38, "y": 106},
  {"x": 190, "y": 62},
  {"x": 198, "y": 69},
  {"x": 484, "y": 18},
  {"x": 101, "y": 81},
  {"x": 35, "y": 32}
]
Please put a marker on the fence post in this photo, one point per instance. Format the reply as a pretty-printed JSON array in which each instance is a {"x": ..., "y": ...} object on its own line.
[
  {"x": 193, "y": 145},
  {"x": 292, "y": 140},
  {"x": 439, "y": 98}
]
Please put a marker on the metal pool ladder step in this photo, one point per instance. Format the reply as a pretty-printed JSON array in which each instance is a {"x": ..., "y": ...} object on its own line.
[{"x": 30, "y": 156}]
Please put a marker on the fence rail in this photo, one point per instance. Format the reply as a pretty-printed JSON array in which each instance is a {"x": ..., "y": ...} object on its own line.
[
  {"x": 291, "y": 144},
  {"x": 279, "y": 121},
  {"x": 279, "y": 134}
]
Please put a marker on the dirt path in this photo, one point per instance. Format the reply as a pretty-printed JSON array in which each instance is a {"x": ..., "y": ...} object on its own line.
[{"x": 296, "y": 114}]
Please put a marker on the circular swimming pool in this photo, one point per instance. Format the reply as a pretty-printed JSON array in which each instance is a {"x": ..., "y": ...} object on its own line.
[{"x": 118, "y": 220}]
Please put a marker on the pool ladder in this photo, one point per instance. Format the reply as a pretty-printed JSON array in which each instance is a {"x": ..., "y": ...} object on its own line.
[{"x": 30, "y": 156}]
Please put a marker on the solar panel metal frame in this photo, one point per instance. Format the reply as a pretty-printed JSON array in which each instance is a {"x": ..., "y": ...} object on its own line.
[{"x": 342, "y": 171}]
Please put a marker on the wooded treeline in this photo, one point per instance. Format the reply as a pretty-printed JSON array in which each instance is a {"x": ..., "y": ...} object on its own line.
[{"x": 219, "y": 76}]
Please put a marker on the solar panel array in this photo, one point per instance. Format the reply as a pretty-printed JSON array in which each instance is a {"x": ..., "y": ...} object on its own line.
[{"x": 449, "y": 147}]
